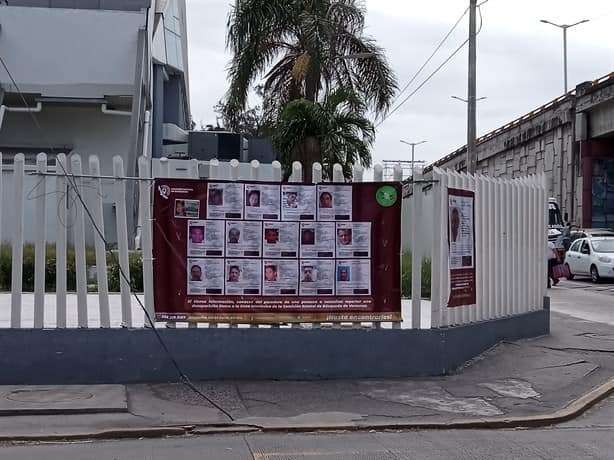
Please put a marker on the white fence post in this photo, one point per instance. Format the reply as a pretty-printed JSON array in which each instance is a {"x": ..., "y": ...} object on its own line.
[
  {"x": 164, "y": 167},
  {"x": 1, "y": 175},
  {"x": 481, "y": 250},
  {"x": 444, "y": 282},
  {"x": 378, "y": 173},
  {"x": 214, "y": 169},
  {"x": 297, "y": 172},
  {"x": 60, "y": 240},
  {"x": 79, "y": 242},
  {"x": 416, "y": 257},
  {"x": 234, "y": 169},
  {"x": 338, "y": 173},
  {"x": 254, "y": 170},
  {"x": 277, "y": 174},
  {"x": 40, "y": 245},
  {"x": 122, "y": 239},
  {"x": 436, "y": 251},
  {"x": 17, "y": 252},
  {"x": 194, "y": 170},
  {"x": 146, "y": 235},
  {"x": 99, "y": 244},
  {"x": 316, "y": 173}
]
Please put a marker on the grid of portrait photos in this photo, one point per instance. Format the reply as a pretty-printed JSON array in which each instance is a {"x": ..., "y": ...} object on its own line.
[{"x": 276, "y": 240}]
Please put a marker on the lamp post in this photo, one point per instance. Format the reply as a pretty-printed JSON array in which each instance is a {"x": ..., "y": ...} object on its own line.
[
  {"x": 413, "y": 146},
  {"x": 564, "y": 27},
  {"x": 466, "y": 101}
]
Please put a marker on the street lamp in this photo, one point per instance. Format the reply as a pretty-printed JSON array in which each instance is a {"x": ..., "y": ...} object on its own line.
[
  {"x": 413, "y": 146},
  {"x": 466, "y": 101},
  {"x": 564, "y": 27}
]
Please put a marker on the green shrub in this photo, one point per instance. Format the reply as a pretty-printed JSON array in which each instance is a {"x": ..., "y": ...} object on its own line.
[
  {"x": 136, "y": 271},
  {"x": 406, "y": 263},
  {"x": 135, "y": 264}
]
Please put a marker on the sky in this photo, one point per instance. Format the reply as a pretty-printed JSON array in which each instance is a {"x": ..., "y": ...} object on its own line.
[{"x": 519, "y": 63}]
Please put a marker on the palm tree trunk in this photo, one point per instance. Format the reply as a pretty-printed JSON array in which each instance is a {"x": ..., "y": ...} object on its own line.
[{"x": 308, "y": 152}]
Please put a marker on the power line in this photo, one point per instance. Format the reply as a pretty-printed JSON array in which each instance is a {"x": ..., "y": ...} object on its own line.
[
  {"x": 72, "y": 181},
  {"x": 389, "y": 114},
  {"x": 430, "y": 57}
]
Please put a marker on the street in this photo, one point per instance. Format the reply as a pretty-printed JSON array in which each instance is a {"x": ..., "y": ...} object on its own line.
[
  {"x": 585, "y": 300},
  {"x": 590, "y": 436}
]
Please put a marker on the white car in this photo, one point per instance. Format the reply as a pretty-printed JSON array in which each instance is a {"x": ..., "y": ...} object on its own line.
[{"x": 592, "y": 257}]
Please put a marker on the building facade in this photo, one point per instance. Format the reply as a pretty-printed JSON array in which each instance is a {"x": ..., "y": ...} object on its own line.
[
  {"x": 570, "y": 139},
  {"x": 92, "y": 77}
]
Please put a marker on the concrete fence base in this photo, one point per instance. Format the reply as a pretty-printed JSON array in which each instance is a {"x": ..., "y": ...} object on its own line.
[{"x": 89, "y": 356}]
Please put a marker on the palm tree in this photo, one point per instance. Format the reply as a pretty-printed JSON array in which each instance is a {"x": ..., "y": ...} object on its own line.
[
  {"x": 334, "y": 131},
  {"x": 304, "y": 49}
]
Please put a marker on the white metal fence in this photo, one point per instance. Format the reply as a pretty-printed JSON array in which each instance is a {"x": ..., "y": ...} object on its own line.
[
  {"x": 510, "y": 245},
  {"x": 510, "y": 240}
]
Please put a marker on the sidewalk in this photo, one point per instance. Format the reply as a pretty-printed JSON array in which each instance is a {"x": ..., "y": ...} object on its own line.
[{"x": 527, "y": 383}]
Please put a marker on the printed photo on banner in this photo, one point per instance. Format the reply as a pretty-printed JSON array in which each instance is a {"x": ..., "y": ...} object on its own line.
[
  {"x": 205, "y": 276},
  {"x": 189, "y": 209},
  {"x": 353, "y": 277},
  {"x": 205, "y": 238},
  {"x": 243, "y": 276},
  {"x": 298, "y": 202},
  {"x": 280, "y": 277},
  {"x": 224, "y": 200},
  {"x": 460, "y": 218},
  {"x": 317, "y": 277},
  {"x": 280, "y": 239},
  {"x": 243, "y": 238},
  {"x": 353, "y": 239},
  {"x": 317, "y": 239},
  {"x": 262, "y": 202},
  {"x": 334, "y": 202}
]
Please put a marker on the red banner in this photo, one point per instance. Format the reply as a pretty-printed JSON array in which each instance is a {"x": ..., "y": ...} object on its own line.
[
  {"x": 258, "y": 252},
  {"x": 461, "y": 243}
]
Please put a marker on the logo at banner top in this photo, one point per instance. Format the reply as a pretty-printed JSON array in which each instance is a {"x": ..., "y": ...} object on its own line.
[
  {"x": 386, "y": 196},
  {"x": 165, "y": 191}
]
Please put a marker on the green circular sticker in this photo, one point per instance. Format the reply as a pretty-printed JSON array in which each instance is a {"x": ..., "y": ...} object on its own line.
[{"x": 386, "y": 196}]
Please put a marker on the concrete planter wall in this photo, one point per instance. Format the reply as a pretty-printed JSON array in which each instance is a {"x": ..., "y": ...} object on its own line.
[{"x": 88, "y": 356}]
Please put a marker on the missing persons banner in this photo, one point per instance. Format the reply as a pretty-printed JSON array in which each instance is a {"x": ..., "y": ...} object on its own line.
[
  {"x": 257, "y": 252},
  {"x": 461, "y": 241}
]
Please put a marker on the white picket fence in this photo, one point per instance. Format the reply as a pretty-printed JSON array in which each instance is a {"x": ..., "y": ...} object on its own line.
[
  {"x": 83, "y": 309},
  {"x": 510, "y": 245},
  {"x": 510, "y": 240}
]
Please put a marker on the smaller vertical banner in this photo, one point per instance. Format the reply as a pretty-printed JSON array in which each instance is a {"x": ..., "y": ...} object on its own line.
[{"x": 461, "y": 243}]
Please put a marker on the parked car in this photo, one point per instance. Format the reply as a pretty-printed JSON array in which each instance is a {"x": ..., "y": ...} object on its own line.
[
  {"x": 592, "y": 257},
  {"x": 591, "y": 233}
]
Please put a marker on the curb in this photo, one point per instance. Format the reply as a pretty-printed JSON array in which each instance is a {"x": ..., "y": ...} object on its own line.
[{"x": 571, "y": 411}]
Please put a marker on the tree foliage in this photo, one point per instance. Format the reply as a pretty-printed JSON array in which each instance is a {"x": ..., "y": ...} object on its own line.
[
  {"x": 304, "y": 49},
  {"x": 333, "y": 131}
]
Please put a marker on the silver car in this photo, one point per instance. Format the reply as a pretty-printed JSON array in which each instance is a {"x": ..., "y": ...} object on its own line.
[{"x": 592, "y": 257}]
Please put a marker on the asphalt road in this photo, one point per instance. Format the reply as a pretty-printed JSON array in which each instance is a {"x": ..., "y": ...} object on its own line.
[
  {"x": 584, "y": 300},
  {"x": 590, "y": 436}
]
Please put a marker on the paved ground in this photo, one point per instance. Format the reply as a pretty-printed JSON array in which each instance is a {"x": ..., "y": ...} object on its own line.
[
  {"x": 518, "y": 379},
  {"x": 583, "y": 299},
  {"x": 590, "y": 436}
]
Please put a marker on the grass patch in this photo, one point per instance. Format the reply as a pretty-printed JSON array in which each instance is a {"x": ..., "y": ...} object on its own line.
[
  {"x": 135, "y": 259},
  {"x": 406, "y": 267}
]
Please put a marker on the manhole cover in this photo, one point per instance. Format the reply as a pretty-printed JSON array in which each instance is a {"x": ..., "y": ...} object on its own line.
[{"x": 48, "y": 396}]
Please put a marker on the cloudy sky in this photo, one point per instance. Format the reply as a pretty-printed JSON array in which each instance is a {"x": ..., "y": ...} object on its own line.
[{"x": 519, "y": 62}]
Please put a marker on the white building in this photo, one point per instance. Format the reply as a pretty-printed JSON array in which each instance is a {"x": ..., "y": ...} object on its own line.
[{"x": 103, "y": 77}]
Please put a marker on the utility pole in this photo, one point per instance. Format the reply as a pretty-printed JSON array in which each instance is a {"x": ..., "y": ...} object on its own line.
[{"x": 471, "y": 91}]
